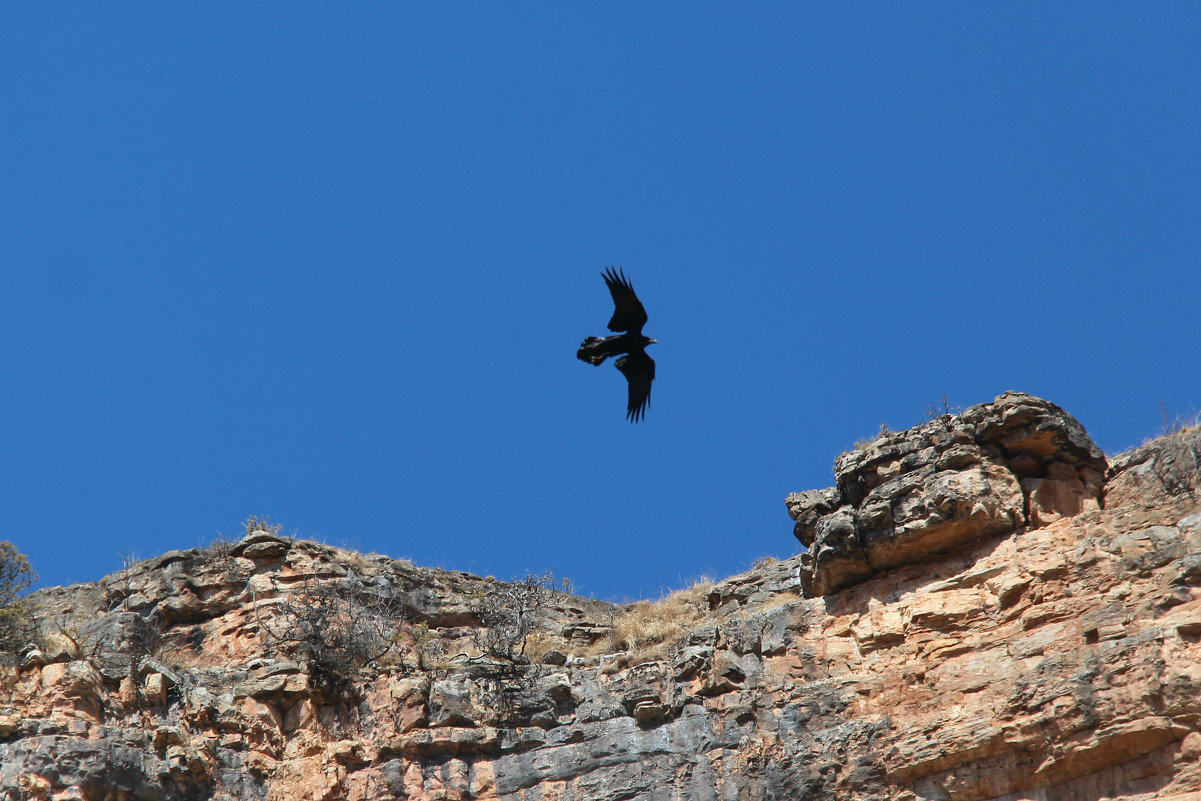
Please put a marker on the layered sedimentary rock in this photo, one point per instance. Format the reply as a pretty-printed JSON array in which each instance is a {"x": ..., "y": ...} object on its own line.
[
  {"x": 953, "y": 481},
  {"x": 1059, "y": 659}
]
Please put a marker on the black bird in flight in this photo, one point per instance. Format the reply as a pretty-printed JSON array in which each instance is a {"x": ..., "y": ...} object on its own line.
[{"x": 635, "y": 365}]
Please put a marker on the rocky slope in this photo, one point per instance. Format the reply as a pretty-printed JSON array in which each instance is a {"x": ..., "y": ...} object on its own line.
[{"x": 987, "y": 610}]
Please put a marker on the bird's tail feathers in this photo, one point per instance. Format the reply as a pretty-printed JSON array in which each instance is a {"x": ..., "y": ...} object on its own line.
[{"x": 592, "y": 351}]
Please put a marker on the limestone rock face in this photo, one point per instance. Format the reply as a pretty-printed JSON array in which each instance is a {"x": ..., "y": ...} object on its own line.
[
  {"x": 1058, "y": 661},
  {"x": 1169, "y": 466},
  {"x": 956, "y": 480}
]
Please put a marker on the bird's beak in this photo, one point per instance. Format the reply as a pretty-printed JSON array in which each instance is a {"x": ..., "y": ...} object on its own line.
[{"x": 653, "y": 342}]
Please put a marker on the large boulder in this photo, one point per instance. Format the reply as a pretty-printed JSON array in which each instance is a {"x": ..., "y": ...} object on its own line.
[{"x": 1019, "y": 461}]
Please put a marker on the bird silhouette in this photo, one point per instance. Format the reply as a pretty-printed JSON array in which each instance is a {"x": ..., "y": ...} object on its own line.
[{"x": 628, "y": 318}]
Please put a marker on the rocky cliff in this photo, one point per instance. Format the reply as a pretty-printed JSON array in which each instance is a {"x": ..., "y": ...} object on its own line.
[{"x": 987, "y": 609}]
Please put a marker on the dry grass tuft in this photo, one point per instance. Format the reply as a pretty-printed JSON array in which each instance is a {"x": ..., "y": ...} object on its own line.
[
  {"x": 641, "y": 629},
  {"x": 354, "y": 559},
  {"x": 541, "y": 642},
  {"x": 863, "y": 444},
  {"x": 1171, "y": 424},
  {"x": 253, "y": 524}
]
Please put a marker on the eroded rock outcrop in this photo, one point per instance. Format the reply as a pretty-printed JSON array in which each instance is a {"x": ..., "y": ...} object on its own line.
[
  {"x": 1060, "y": 660},
  {"x": 956, "y": 480},
  {"x": 1166, "y": 467}
]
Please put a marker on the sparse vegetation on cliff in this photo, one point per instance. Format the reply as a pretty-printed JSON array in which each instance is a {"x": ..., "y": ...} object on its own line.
[
  {"x": 16, "y": 612},
  {"x": 1177, "y": 462},
  {"x": 509, "y": 613},
  {"x": 643, "y": 630},
  {"x": 334, "y": 630}
]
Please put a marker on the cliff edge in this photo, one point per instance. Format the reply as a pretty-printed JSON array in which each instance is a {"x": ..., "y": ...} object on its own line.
[{"x": 988, "y": 608}]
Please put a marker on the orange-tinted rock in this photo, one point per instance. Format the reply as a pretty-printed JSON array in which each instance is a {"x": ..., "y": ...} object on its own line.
[
  {"x": 951, "y": 482},
  {"x": 1010, "y": 640}
]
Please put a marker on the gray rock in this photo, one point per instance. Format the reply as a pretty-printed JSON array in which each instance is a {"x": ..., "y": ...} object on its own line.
[
  {"x": 98, "y": 768},
  {"x": 807, "y": 508},
  {"x": 1170, "y": 465},
  {"x": 451, "y": 703},
  {"x": 117, "y": 642}
]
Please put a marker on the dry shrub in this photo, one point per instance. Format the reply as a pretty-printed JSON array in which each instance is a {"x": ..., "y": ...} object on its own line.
[
  {"x": 335, "y": 629},
  {"x": 254, "y": 523},
  {"x": 1176, "y": 457},
  {"x": 424, "y": 645},
  {"x": 509, "y": 613},
  {"x": 644, "y": 627},
  {"x": 1177, "y": 462},
  {"x": 1176, "y": 423},
  {"x": 114, "y": 642},
  {"x": 944, "y": 412},
  {"x": 17, "y": 627}
]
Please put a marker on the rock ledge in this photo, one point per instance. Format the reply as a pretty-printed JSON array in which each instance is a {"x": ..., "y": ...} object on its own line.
[{"x": 1019, "y": 461}]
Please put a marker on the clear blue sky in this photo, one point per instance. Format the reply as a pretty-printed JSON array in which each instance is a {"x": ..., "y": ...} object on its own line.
[{"x": 331, "y": 263}]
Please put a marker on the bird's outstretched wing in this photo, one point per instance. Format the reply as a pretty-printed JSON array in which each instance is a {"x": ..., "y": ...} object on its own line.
[
  {"x": 628, "y": 314},
  {"x": 639, "y": 370}
]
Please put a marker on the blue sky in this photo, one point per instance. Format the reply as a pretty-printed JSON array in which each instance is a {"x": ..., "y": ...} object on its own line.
[{"x": 331, "y": 262}]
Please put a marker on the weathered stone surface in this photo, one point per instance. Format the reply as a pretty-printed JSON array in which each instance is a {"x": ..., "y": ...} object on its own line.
[
  {"x": 1169, "y": 466},
  {"x": 808, "y": 508},
  {"x": 1061, "y": 661},
  {"x": 957, "y": 480},
  {"x": 1061, "y": 494}
]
